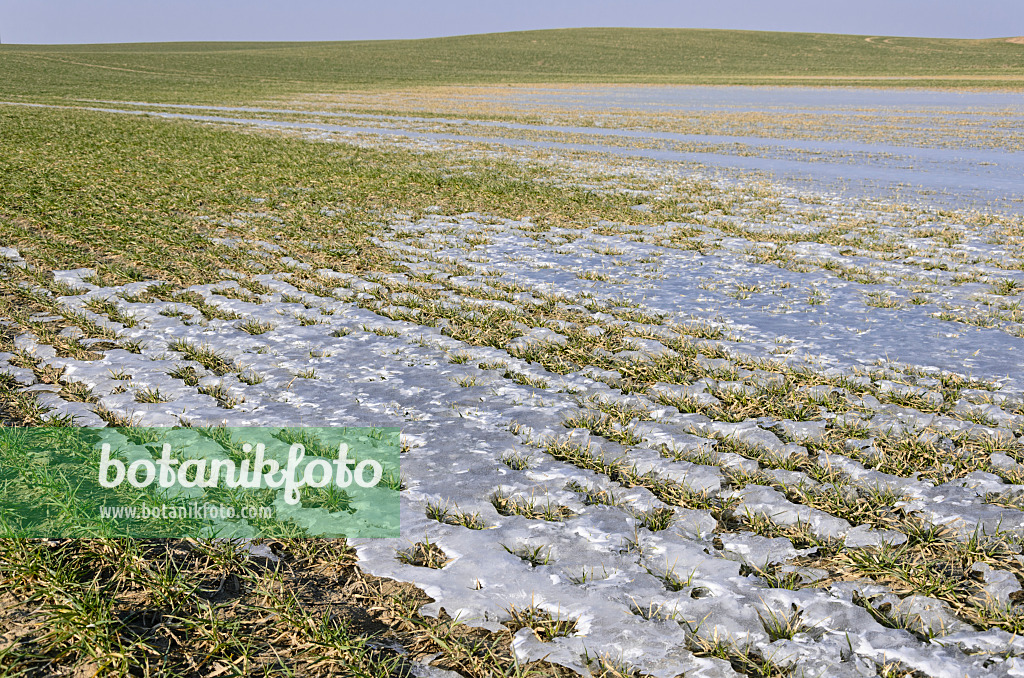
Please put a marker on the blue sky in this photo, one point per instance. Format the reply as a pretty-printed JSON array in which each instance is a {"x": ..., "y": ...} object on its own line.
[{"x": 67, "y": 21}]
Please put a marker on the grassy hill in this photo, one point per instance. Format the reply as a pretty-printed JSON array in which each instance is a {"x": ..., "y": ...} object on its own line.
[{"x": 241, "y": 71}]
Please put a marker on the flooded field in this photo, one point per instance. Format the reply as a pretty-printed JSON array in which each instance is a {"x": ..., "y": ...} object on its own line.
[
  {"x": 947, "y": 149},
  {"x": 776, "y": 434}
]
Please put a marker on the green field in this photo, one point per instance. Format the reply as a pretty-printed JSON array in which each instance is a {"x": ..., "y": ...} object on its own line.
[
  {"x": 138, "y": 198},
  {"x": 133, "y": 198},
  {"x": 87, "y": 200},
  {"x": 173, "y": 72}
]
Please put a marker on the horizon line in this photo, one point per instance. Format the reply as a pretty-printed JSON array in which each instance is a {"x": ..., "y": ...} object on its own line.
[{"x": 1015, "y": 39}]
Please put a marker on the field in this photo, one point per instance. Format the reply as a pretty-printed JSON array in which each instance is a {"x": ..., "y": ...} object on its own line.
[
  {"x": 242, "y": 72},
  {"x": 691, "y": 380}
]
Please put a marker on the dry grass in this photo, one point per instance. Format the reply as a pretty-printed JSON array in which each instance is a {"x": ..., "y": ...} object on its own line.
[{"x": 192, "y": 608}]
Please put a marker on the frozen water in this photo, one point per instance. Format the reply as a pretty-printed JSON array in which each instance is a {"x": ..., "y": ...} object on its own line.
[{"x": 519, "y": 473}]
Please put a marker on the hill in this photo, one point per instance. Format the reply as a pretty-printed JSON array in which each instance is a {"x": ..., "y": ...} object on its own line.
[{"x": 242, "y": 71}]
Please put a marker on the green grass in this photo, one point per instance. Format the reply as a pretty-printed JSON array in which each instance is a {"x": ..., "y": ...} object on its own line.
[
  {"x": 139, "y": 198},
  {"x": 83, "y": 201},
  {"x": 208, "y": 72}
]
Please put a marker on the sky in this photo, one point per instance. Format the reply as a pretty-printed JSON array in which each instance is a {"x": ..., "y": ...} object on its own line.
[{"x": 89, "y": 21}]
